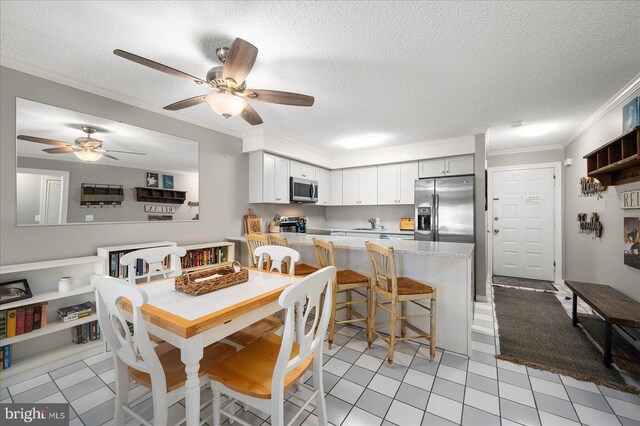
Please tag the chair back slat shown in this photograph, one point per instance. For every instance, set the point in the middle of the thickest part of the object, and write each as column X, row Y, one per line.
column 134, row 349
column 277, row 240
column 324, row 252
column 153, row 257
column 304, row 296
column 278, row 256
column 253, row 242
column 383, row 267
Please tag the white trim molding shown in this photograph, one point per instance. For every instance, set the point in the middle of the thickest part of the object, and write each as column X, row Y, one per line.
column 105, row 93
column 525, row 150
column 479, row 130
column 616, row 100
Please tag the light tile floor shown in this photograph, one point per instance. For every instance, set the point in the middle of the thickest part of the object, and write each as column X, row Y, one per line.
column 363, row 391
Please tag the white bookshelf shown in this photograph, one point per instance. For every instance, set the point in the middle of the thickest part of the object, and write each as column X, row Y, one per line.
column 105, row 252
column 227, row 248
column 34, row 352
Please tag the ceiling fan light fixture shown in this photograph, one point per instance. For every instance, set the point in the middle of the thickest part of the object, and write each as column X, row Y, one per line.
column 226, row 104
column 88, row 156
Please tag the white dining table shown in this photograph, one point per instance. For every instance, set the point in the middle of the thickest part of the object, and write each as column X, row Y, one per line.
column 191, row 323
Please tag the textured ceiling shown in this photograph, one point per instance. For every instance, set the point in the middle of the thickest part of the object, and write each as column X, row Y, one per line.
column 162, row 152
column 410, row 71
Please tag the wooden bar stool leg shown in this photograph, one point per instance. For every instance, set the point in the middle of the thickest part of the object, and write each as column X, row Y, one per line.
column 432, row 330
column 348, row 304
column 403, row 322
column 372, row 317
column 368, row 293
column 332, row 320
column 392, row 330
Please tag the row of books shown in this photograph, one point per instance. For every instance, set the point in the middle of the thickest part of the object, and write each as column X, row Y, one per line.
column 25, row 319
column 203, row 257
column 86, row 332
column 74, row 312
column 116, row 269
column 5, row 357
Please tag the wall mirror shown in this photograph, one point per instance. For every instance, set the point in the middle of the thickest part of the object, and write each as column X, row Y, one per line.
column 77, row 168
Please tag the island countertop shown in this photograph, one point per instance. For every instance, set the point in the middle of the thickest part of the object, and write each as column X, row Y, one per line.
column 426, row 248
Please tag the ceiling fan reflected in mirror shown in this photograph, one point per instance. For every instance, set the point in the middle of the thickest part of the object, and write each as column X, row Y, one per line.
column 85, row 148
column 227, row 81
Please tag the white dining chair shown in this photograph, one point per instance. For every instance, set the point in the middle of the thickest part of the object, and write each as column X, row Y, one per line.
column 154, row 257
column 278, row 255
column 261, row 373
column 157, row 368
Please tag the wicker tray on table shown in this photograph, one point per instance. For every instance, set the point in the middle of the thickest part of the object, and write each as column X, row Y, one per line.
column 195, row 283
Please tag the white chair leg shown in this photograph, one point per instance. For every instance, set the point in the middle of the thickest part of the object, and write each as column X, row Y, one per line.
column 160, row 406
column 321, row 407
column 122, row 391
column 217, row 402
column 277, row 410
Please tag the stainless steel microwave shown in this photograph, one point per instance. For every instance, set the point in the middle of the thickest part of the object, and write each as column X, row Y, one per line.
column 304, row 190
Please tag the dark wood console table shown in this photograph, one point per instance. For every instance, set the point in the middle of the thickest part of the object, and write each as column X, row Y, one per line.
column 613, row 306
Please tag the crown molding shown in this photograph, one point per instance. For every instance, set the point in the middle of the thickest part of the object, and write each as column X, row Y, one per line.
column 105, row 93
column 616, row 100
column 479, row 130
column 525, row 150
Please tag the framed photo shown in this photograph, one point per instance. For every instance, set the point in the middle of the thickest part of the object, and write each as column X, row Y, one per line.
column 153, row 180
column 632, row 241
column 167, row 181
column 14, row 290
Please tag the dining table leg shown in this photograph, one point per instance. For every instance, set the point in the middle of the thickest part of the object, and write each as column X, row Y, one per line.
column 191, row 352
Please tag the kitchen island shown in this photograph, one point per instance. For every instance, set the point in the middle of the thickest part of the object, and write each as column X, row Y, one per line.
column 446, row 266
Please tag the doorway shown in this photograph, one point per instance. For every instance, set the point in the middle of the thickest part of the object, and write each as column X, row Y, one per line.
column 525, row 222
column 43, row 197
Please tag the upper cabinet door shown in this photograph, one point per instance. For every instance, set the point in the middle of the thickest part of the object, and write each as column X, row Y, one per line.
column 350, row 187
column 369, row 185
column 281, row 180
column 408, row 174
column 432, row 168
column 323, row 177
column 269, row 179
column 461, row 165
column 302, row 170
column 336, row 188
column 295, row 169
column 389, row 184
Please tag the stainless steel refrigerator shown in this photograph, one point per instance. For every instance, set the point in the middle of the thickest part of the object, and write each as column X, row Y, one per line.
column 445, row 209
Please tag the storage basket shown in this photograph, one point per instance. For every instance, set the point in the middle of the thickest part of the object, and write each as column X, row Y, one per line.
column 186, row 283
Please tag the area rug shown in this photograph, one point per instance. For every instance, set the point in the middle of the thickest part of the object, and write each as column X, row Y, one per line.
column 523, row 283
column 535, row 330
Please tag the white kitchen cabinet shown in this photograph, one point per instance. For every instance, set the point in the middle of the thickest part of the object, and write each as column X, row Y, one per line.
column 336, row 188
column 302, row 170
column 449, row 166
column 323, row 176
column 360, row 186
column 396, row 183
column 268, row 178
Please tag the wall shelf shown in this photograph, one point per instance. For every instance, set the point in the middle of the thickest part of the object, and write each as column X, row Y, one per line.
column 51, row 327
column 158, row 195
column 617, row 162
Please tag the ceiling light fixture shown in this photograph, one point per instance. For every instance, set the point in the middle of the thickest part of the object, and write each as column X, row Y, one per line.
column 536, row 129
column 362, row 141
column 226, row 104
column 88, row 156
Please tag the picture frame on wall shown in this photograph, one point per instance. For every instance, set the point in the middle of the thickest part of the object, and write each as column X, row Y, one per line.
column 153, row 180
column 167, row 181
column 11, row 291
column 632, row 242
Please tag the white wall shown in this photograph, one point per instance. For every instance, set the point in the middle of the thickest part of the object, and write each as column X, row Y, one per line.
column 224, row 179
column 518, row 159
column 597, row 260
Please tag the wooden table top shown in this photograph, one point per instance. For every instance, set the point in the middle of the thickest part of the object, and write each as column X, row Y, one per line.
column 187, row 315
column 614, row 306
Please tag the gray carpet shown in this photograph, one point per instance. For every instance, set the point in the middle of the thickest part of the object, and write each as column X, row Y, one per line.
column 523, row 283
column 535, row 330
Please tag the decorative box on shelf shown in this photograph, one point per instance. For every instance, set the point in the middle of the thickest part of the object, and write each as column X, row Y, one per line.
column 96, row 194
column 617, row 162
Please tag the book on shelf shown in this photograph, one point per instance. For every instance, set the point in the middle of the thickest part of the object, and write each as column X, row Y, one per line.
column 25, row 319
column 5, row 353
column 85, row 333
column 118, row 270
column 71, row 313
column 203, row 257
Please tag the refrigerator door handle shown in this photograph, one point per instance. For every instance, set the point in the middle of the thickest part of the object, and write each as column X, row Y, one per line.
column 433, row 217
column 437, row 217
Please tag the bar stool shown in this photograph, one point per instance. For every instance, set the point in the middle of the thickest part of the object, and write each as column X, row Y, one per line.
column 347, row 281
column 302, row 269
column 398, row 291
column 253, row 242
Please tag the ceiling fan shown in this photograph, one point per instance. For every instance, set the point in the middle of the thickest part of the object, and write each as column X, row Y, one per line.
column 85, row 148
column 229, row 96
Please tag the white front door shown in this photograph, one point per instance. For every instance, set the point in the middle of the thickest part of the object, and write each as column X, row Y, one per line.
column 523, row 223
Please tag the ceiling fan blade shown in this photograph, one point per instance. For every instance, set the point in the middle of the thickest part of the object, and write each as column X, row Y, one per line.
column 158, row 66
column 108, row 156
column 186, row 103
column 115, row 150
column 42, row 140
column 240, row 59
column 278, row 97
column 250, row 115
column 64, row 150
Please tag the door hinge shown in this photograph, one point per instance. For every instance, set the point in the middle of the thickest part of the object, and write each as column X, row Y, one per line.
column 554, row 266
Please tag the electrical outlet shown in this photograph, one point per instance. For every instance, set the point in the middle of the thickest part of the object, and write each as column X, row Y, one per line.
column 88, row 218
column 37, row 219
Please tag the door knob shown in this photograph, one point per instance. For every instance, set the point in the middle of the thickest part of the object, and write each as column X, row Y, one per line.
column 495, row 231
column 495, row 218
